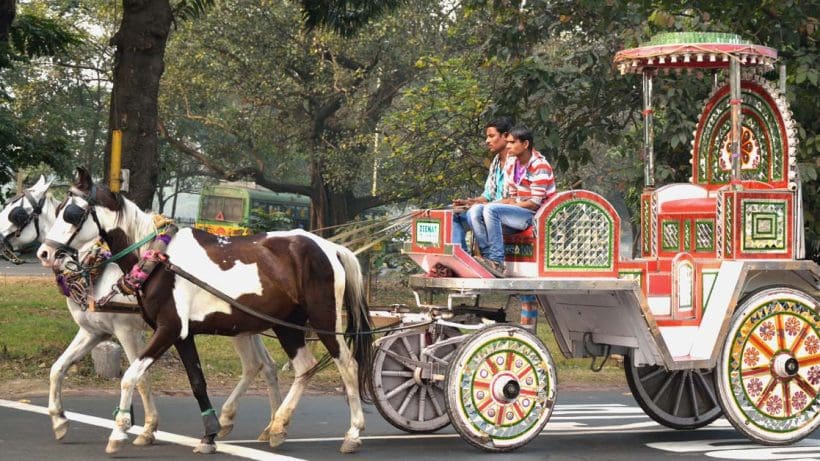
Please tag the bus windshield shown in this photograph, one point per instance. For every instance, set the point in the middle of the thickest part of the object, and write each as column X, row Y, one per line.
column 222, row 208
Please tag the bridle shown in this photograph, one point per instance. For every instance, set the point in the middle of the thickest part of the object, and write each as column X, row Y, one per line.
column 21, row 218
column 77, row 216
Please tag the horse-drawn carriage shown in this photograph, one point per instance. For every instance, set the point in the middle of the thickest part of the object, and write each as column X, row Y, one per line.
column 718, row 315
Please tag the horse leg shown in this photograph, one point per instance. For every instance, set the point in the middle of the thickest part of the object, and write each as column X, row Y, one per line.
column 190, row 358
column 349, row 370
column 269, row 372
column 244, row 347
column 303, row 361
column 80, row 346
column 132, row 342
column 163, row 338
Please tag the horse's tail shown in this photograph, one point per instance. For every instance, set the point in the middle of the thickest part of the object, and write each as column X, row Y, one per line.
column 358, row 333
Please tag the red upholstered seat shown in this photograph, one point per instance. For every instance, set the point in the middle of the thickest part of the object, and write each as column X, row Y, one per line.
column 689, row 205
column 525, row 236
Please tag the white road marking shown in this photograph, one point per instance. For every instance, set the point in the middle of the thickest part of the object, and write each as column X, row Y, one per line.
column 221, row 447
column 742, row 449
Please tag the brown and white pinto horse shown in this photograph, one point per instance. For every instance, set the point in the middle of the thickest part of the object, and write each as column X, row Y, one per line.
column 26, row 219
column 293, row 276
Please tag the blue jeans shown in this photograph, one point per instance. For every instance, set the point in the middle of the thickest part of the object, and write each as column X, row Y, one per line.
column 462, row 222
column 460, row 226
column 496, row 220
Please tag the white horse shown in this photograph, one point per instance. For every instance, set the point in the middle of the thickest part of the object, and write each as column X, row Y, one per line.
column 28, row 218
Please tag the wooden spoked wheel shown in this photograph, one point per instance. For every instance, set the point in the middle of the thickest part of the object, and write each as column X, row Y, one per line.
column 501, row 388
column 680, row 399
column 404, row 397
column 768, row 374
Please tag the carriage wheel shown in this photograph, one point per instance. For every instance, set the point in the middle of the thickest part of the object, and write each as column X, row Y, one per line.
column 501, row 388
column 405, row 399
column 768, row 373
column 681, row 399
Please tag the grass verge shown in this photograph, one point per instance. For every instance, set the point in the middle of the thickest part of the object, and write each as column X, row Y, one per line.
column 35, row 328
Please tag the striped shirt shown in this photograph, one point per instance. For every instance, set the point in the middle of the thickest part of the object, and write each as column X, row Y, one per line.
column 535, row 184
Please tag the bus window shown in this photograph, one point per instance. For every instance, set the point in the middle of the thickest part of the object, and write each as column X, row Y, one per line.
column 222, row 208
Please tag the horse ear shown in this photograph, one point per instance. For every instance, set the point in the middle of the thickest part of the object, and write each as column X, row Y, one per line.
column 83, row 180
column 41, row 186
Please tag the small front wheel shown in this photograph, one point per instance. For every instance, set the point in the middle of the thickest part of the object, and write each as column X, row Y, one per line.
column 768, row 372
column 403, row 397
column 501, row 388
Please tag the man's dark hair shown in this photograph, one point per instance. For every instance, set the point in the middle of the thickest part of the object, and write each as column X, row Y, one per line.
column 522, row 133
column 502, row 124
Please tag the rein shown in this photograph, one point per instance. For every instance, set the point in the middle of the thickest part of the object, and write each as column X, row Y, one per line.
column 252, row 312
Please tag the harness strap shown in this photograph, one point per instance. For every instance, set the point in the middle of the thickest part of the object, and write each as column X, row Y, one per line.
column 36, row 211
column 130, row 283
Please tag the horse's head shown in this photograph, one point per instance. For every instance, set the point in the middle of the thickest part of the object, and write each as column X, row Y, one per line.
column 20, row 220
column 83, row 217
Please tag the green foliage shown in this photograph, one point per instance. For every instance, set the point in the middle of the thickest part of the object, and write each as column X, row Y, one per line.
column 35, row 37
column 32, row 35
column 433, row 144
column 346, row 17
column 296, row 111
column 266, row 221
column 184, row 10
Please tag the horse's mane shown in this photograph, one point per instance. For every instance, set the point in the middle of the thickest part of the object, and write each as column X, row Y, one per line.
column 136, row 222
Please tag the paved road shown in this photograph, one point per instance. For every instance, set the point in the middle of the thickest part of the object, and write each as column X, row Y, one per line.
column 584, row 426
column 31, row 267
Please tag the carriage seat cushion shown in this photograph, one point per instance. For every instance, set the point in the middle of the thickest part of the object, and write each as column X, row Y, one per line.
column 690, row 205
column 525, row 236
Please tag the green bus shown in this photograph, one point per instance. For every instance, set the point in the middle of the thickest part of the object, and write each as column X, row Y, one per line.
column 225, row 209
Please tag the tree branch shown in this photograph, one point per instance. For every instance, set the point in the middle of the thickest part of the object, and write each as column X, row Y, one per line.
column 184, row 148
column 221, row 172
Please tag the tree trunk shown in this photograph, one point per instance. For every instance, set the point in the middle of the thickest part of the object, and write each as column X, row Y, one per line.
column 138, row 66
column 328, row 208
column 8, row 9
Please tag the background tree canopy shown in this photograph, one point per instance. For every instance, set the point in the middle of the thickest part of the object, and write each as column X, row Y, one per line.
column 384, row 102
column 28, row 39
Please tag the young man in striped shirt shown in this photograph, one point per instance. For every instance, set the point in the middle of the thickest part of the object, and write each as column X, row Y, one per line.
column 530, row 181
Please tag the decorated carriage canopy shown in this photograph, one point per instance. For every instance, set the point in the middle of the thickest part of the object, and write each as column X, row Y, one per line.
column 676, row 50
column 768, row 134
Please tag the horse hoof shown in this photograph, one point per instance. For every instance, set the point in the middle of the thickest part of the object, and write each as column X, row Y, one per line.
column 226, row 429
column 350, row 446
column 114, row 446
column 276, row 440
column 146, row 438
column 264, row 435
column 61, row 429
column 205, row 448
